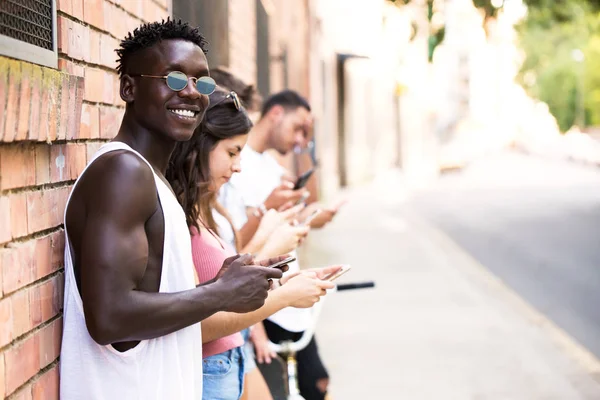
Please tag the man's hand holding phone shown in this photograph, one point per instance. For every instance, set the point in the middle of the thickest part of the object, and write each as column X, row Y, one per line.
column 283, row 197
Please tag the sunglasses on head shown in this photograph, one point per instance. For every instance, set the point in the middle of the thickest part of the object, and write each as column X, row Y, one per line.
column 177, row 81
column 236, row 100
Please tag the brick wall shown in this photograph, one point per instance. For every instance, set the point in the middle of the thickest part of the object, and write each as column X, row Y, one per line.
column 51, row 122
column 242, row 39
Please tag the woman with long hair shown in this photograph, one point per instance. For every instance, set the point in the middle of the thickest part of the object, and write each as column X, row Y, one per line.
column 197, row 170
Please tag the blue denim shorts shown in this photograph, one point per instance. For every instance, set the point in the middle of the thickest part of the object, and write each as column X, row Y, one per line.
column 223, row 375
column 248, row 351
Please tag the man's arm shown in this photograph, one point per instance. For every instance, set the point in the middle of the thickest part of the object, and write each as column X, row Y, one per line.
column 302, row 290
column 114, row 255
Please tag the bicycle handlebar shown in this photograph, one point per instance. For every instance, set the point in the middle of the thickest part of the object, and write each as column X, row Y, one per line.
column 286, row 347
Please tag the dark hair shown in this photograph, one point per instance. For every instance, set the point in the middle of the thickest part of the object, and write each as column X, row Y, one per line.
column 147, row 35
column 248, row 95
column 188, row 171
column 288, row 99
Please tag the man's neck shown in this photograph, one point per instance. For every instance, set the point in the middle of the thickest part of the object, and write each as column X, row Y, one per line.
column 152, row 146
column 258, row 139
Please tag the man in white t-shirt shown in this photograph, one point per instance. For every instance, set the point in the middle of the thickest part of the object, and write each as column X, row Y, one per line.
column 282, row 127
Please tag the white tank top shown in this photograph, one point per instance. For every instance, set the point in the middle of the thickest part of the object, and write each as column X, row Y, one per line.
column 168, row 367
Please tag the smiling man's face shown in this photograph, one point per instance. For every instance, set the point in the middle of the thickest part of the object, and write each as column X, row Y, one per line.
column 161, row 110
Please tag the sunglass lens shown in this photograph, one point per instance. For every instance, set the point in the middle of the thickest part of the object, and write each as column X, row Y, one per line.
column 206, row 85
column 177, row 80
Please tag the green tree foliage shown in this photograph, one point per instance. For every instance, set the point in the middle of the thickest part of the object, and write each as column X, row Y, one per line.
column 549, row 35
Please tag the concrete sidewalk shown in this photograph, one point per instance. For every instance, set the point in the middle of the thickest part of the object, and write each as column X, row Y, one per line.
column 437, row 325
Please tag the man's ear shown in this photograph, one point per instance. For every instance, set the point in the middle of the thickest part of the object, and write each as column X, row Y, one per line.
column 127, row 88
column 276, row 112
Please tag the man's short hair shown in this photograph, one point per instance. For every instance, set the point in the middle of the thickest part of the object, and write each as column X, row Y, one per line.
column 248, row 95
column 288, row 99
column 147, row 35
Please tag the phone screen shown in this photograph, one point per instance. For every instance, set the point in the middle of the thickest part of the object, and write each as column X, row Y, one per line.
column 332, row 277
column 282, row 262
column 303, row 179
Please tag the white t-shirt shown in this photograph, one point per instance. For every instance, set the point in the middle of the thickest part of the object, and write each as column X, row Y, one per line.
column 261, row 173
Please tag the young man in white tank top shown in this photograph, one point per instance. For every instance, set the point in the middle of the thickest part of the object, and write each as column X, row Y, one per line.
column 132, row 308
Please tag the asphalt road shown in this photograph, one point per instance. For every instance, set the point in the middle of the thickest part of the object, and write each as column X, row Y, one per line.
column 534, row 223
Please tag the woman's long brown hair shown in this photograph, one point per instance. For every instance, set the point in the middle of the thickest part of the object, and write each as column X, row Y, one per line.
column 188, row 171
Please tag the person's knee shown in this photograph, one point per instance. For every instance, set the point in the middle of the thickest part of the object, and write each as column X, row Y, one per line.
column 322, row 384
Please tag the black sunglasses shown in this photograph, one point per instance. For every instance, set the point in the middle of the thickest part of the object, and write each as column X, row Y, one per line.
column 177, row 81
column 236, row 100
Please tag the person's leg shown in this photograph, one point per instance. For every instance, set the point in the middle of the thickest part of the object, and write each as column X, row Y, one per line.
column 223, row 375
column 313, row 379
column 255, row 387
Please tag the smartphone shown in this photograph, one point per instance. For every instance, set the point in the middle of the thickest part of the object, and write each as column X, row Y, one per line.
column 303, row 179
column 282, row 262
column 311, row 217
column 302, row 199
column 334, row 276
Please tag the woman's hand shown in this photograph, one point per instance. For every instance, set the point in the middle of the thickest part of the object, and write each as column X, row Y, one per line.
column 305, row 289
column 259, row 339
column 284, row 239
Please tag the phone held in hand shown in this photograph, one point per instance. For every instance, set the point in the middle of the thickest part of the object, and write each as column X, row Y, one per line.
column 311, row 217
column 303, row 179
column 345, row 268
column 282, row 263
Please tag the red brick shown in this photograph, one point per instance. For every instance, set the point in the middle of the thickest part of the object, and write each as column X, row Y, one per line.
column 43, row 257
column 42, row 164
column 38, row 215
column 17, row 166
column 76, row 159
column 93, row 12
column 70, row 67
column 132, row 6
column 64, row 111
column 5, row 220
column 49, row 342
column 57, row 242
column 71, row 111
column 94, row 80
column 58, row 163
column 65, row 6
column 24, row 393
column 75, row 122
column 110, row 120
column 18, row 215
column 108, row 87
column 45, row 300
column 12, row 103
column 36, row 102
column 45, row 111
column 6, row 324
column 163, row 4
column 108, row 56
column 24, row 101
column 92, row 148
column 3, row 92
column 19, row 302
column 24, row 361
column 46, row 387
column 64, row 27
column 18, row 266
column 51, row 104
column 77, row 9
column 95, row 47
column 2, row 369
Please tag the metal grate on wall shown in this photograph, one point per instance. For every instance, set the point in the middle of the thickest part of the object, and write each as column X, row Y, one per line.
column 29, row 21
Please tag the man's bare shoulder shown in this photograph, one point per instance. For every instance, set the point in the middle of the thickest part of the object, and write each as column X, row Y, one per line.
column 119, row 181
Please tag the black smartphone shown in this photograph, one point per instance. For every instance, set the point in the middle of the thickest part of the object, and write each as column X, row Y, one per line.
column 303, row 179
column 282, row 262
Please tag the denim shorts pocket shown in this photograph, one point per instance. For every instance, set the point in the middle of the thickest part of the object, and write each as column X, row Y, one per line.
column 218, row 364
